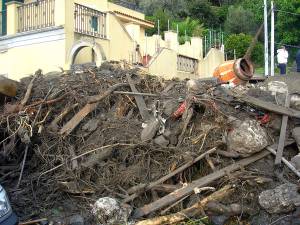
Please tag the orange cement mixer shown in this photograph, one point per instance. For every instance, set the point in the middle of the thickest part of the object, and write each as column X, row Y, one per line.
column 235, row 72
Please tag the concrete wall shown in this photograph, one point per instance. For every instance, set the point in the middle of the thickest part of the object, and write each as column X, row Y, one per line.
column 207, row 66
column 164, row 64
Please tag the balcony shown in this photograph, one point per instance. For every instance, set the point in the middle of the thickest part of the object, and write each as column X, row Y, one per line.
column 42, row 14
column 89, row 21
column 36, row 15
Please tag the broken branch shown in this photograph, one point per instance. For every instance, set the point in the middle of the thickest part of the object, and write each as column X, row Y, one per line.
column 167, row 177
column 175, row 196
column 191, row 211
column 28, row 92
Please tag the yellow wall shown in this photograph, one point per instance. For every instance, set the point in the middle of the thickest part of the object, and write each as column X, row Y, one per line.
column 213, row 59
column 120, row 43
column 21, row 61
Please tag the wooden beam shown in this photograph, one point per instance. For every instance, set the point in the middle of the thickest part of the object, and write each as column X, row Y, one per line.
column 282, row 136
column 269, row 106
column 139, row 100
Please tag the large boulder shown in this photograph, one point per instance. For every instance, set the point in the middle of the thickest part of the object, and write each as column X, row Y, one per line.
column 247, row 137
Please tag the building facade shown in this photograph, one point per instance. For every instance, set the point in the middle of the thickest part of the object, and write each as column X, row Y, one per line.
column 54, row 34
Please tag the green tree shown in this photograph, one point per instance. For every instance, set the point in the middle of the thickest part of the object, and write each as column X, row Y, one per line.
column 163, row 18
column 287, row 25
column 188, row 28
column 240, row 20
column 173, row 7
column 240, row 43
column 202, row 10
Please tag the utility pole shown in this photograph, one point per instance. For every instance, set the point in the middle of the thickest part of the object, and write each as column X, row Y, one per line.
column 272, row 39
column 266, row 38
column 158, row 27
column 168, row 25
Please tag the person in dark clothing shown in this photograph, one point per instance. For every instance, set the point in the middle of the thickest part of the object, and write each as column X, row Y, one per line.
column 298, row 61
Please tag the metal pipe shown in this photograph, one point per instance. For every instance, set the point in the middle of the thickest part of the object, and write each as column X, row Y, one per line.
column 266, row 38
column 272, row 39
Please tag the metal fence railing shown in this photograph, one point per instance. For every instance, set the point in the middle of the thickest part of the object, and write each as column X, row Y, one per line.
column 186, row 64
column 36, row 15
column 3, row 23
column 89, row 21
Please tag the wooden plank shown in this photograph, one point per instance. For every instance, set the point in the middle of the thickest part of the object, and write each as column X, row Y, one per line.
column 178, row 194
column 87, row 109
column 266, row 105
column 282, row 132
column 139, row 100
column 70, row 125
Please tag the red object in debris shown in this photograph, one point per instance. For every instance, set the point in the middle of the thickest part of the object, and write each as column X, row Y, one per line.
column 146, row 60
column 179, row 112
column 265, row 119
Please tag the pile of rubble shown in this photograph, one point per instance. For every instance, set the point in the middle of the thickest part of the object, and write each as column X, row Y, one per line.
column 114, row 145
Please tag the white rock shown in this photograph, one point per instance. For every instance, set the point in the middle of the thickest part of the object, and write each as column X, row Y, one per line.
column 247, row 137
column 109, row 211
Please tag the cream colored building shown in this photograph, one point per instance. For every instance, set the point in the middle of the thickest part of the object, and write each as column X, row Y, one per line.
column 53, row 34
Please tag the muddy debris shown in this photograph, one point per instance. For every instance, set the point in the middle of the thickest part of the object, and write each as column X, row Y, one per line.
column 114, row 144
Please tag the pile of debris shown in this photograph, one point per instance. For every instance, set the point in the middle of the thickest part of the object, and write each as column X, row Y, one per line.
column 114, row 145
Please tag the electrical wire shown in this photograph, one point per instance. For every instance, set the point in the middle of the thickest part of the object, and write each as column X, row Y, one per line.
column 295, row 14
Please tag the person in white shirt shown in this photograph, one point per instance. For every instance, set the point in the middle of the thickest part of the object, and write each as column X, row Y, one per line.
column 282, row 59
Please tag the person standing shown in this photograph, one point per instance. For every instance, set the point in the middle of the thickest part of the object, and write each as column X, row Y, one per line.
column 282, row 59
column 298, row 61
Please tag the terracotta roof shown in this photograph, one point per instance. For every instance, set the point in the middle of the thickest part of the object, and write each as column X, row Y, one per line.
column 135, row 18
